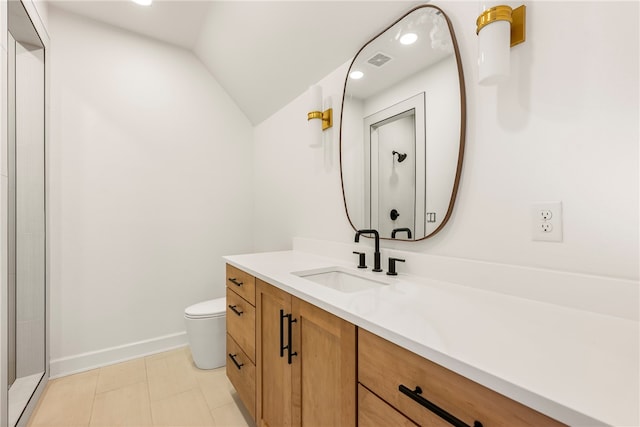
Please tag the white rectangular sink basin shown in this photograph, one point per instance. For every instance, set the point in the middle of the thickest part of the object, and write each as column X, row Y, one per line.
column 340, row 279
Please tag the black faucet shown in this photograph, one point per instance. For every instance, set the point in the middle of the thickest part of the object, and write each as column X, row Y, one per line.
column 399, row 230
column 376, row 254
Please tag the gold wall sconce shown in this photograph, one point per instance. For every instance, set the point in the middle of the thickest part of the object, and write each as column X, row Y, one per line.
column 318, row 120
column 498, row 28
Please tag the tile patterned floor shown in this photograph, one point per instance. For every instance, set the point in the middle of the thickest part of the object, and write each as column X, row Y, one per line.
column 164, row 389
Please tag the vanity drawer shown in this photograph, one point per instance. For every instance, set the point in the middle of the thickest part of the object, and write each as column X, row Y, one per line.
column 383, row 367
column 244, row 284
column 375, row 412
column 241, row 323
column 242, row 373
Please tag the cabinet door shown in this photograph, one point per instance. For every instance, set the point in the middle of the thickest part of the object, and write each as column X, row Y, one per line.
column 324, row 371
column 274, row 373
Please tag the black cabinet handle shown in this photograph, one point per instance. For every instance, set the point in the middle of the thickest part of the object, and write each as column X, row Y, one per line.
column 235, row 362
column 282, row 346
column 235, row 310
column 288, row 346
column 289, row 353
column 235, row 281
column 416, row 395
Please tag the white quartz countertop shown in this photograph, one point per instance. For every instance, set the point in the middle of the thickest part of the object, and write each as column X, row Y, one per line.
column 576, row 366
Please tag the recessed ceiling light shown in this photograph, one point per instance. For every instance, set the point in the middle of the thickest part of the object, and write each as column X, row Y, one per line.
column 409, row 38
column 143, row 2
column 355, row 75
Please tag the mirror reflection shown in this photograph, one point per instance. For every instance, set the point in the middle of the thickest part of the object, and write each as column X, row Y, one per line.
column 402, row 128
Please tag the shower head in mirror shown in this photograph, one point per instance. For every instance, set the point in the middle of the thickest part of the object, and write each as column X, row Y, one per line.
column 401, row 156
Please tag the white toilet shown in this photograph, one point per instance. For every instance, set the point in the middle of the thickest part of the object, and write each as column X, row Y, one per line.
column 206, row 330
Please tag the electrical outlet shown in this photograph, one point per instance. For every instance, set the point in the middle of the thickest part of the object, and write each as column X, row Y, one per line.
column 546, row 221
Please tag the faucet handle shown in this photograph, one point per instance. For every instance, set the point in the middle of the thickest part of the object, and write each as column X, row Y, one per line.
column 392, row 266
column 361, row 263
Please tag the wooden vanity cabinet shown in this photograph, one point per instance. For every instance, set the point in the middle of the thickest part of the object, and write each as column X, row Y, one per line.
column 241, row 333
column 383, row 368
column 306, row 363
column 294, row 364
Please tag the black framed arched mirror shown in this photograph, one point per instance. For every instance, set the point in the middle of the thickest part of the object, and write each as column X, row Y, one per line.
column 402, row 128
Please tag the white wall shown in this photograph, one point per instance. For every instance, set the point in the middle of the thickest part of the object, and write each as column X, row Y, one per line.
column 297, row 188
column 565, row 127
column 150, row 185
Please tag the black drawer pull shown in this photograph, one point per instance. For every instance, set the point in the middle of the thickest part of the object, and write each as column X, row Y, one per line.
column 235, row 362
column 235, row 310
column 416, row 395
column 235, row 281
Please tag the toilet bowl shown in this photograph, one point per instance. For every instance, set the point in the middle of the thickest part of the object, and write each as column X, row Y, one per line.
column 206, row 331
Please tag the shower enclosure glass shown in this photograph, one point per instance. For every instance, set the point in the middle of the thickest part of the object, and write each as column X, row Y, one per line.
column 27, row 312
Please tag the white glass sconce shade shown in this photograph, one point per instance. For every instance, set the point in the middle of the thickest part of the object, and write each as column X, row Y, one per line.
column 315, row 126
column 494, row 53
column 499, row 28
column 318, row 120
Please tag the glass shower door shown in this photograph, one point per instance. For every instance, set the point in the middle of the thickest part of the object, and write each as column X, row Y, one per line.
column 26, row 213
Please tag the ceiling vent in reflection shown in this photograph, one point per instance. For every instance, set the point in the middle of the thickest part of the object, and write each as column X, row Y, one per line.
column 379, row 59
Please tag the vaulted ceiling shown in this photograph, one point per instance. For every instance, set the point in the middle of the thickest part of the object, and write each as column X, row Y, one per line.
column 264, row 53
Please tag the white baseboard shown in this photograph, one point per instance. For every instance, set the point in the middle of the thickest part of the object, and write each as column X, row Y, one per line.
column 108, row 356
